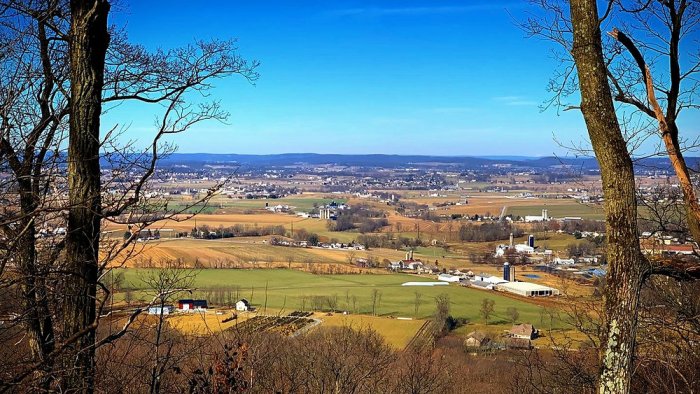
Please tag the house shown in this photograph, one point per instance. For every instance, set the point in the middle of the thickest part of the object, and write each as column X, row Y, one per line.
column 242, row 305
column 476, row 339
column 158, row 310
column 524, row 331
column 192, row 305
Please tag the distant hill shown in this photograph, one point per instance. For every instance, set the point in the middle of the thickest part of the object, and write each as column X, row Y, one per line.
column 380, row 160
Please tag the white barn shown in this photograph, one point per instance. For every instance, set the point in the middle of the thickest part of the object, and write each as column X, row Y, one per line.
column 527, row 289
column 242, row 305
column 448, row 278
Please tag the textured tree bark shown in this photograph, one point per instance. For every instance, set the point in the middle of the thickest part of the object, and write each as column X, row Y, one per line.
column 89, row 39
column 626, row 264
column 36, row 314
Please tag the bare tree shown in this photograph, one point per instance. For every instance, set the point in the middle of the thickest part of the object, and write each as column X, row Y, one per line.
column 88, row 42
column 513, row 314
column 375, row 299
column 59, row 68
column 602, row 74
column 487, row 307
column 417, row 301
column 164, row 285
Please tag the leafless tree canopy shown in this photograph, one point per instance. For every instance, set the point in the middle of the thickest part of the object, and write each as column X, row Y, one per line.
column 55, row 198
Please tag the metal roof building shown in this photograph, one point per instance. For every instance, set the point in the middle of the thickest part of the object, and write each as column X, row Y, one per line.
column 527, row 289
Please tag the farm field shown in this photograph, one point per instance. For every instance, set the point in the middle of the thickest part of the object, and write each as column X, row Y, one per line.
column 205, row 323
column 289, row 290
column 490, row 203
column 246, row 252
column 559, row 210
column 397, row 333
column 221, row 204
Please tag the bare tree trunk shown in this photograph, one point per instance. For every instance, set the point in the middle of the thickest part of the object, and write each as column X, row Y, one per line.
column 36, row 314
column 89, row 39
column 626, row 263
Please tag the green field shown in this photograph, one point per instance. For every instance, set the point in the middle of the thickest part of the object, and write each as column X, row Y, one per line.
column 285, row 288
column 298, row 204
column 220, row 204
column 560, row 210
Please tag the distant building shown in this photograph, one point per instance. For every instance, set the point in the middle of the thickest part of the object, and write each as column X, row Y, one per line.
column 560, row 261
column 508, row 272
column 523, row 331
column 527, row 289
column 242, row 305
column 476, row 339
column 192, row 305
column 537, row 218
column 158, row 310
column 448, row 278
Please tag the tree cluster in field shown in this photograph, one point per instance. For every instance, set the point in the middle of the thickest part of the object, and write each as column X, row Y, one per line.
column 556, row 177
column 206, row 232
column 573, row 226
column 443, row 322
column 361, row 217
column 487, row 232
column 302, row 235
column 584, row 248
column 347, row 359
column 410, row 208
column 387, row 241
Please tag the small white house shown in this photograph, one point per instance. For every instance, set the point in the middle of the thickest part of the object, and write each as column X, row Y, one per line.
column 242, row 305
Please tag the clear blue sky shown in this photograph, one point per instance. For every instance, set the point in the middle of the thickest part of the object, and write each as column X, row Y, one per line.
column 397, row 77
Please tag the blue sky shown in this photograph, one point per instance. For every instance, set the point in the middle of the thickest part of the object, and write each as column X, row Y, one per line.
column 396, row 77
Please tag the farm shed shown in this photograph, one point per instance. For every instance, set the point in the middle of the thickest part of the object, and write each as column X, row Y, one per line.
column 158, row 310
column 448, row 278
column 191, row 305
column 527, row 289
column 242, row 305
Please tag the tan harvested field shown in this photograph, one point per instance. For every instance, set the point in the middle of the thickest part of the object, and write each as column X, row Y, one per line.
column 250, row 253
column 205, row 323
column 490, row 203
column 397, row 333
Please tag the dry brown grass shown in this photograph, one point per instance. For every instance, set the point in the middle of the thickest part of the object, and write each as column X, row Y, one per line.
column 397, row 333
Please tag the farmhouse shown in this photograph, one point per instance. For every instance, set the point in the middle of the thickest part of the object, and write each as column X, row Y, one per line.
column 192, row 305
column 526, row 289
column 158, row 310
column 523, row 331
column 242, row 305
column 476, row 339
